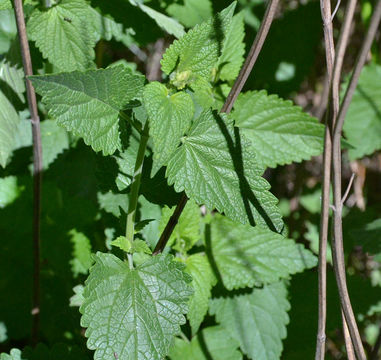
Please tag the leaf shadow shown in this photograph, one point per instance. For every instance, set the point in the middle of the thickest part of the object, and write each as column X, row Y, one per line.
column 247, row 195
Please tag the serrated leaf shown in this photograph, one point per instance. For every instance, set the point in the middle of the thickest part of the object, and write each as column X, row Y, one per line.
column 54, row 140
column 65, row 34
column 107, row 28
column 134, row 313
column 198, row 50
column 170, row 116
column 187, row 231
column 137, row 246
column 13, row 76
column 15, row 354
column 203, row 280
column 215, row 167
column 82, row 260
column 171, row 26
column 122, row 243
column 77, row 299
column 280, row 132
column 233, row 51
column 9, row 121
column 362, row 125
column 9, row 191
column 192, row 12
column 88, row 103
column 248, row 256
column 257, row 320
column 212, row 343
column 113, row 203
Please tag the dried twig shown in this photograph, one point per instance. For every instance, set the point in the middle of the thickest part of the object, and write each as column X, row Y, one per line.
column 37, row 163
column 338, row 251
column 226, row 108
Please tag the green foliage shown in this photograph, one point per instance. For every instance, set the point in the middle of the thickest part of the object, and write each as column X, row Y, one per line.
column 231, row 265
column 144, row 305
column 9, row 191
column 216, row 167
column 203, row 280
column 231, row 59
column 169, row 116
column 197, row 52
column 280, row 132
column 65, row 34
column 168, row 24
column 362, row 125
column 248, row 256
column 192, row 12
column 187, row 231
column 137, row 246
column 9, row 121
column 88, row 103
column 82, row 260
column 257, row 320
column 211, row 343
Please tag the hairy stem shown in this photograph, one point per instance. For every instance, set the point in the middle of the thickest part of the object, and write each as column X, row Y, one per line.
column 227, row 107
column 37, row 163
column 135, row 186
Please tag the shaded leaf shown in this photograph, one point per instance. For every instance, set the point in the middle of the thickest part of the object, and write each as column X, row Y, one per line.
column 248, row 256
column 362, row 125
column 198, row 267
column 257, row 320
column 212, row 343
column 192, row 12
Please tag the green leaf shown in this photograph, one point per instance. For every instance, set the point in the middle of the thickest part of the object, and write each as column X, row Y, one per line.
column 88, row 103
column 113, row 203
column 198, row 267
column 131, row 312
column 5, row 4
column 8, row 29
column 233, row 51
column 9, row 191
column 65, row 34
column 280, row 132
column 212, row 343
column 82, row 260
column 362, row 125
column 192, row 12
column 187, row 231
column 170, row 116
column 9, row 121
column 171, row 26
column 257, row 320
column 77, row 299
column 216, row 167
column 122, row 243
column 248, row 256
column 137, row 246
column 54, row 141
column 197, row 52
column 108, row 28
column 15, row 354
column 13, row 76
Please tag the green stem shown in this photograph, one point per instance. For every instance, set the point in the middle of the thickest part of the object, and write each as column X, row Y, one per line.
column 135, row 124
column 130, row 226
